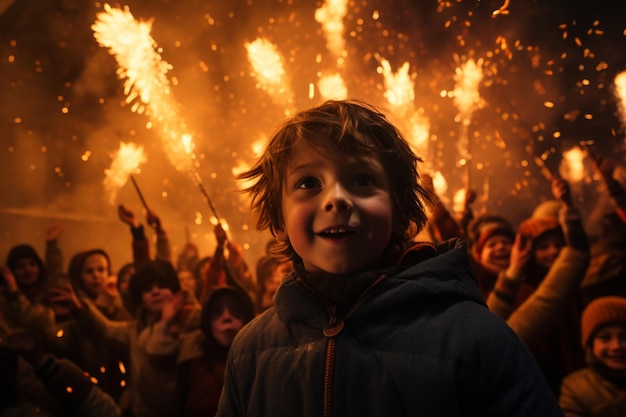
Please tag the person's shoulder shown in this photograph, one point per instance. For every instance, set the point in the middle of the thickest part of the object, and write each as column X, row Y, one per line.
column 262, row 326
column 580, row 376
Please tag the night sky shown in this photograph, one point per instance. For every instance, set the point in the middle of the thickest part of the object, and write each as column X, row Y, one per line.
column 548, row 85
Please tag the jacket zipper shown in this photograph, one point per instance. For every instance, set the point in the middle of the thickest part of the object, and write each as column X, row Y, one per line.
column 334, row 327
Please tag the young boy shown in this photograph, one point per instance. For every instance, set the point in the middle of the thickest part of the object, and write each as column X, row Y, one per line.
column 599, row 389
column 369, row 323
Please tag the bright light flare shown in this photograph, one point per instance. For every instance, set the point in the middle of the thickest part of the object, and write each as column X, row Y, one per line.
column 400, row 93
column 332, row 87
column 330, row 15
column 465, row 94
column 268, row 68
column 620, row 92
column 145, row 76
column 126, row 160
column 572, row 166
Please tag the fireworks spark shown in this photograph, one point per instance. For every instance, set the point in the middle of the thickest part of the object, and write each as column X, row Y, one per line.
column 144, row 72
column 620, row 92
column 400, row 94
column 332, row 87
column 330, row 15
column 126, row 160
column 268, row 68
column 572, row 167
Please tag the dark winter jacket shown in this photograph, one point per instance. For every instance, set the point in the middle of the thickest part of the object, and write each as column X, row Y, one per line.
column 419, row 341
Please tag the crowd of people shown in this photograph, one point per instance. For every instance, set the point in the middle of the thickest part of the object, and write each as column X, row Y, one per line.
column 449, row 314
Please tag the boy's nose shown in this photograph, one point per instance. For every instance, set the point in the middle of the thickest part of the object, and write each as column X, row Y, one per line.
column 337, row 199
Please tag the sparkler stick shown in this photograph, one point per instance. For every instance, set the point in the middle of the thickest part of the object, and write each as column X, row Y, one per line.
column 198, row 181
column 143, row 200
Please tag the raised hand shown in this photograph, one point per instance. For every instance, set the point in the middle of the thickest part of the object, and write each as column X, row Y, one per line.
column 53, row 231
column 64, row 300
column 561, row 190
column 520, row 255
column 220, row 234
column 126, row 216
column 153, row 220
column 9, row 279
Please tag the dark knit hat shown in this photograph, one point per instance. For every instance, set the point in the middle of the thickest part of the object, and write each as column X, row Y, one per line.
column 157, row 272
column 600, row 312
column 482, row 228
column 20, row 252
column 238, row 301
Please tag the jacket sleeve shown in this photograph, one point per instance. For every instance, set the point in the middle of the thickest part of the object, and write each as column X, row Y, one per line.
column 618, row 196
column 94, row 324
column 163, row 246
column 54, row 258
column 216, row 273
column 36, row 317
column 160, row 341
column 537, row 316
column 568, row 400
column 141, row 246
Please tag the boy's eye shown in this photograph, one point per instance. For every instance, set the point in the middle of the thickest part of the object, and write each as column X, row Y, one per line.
column 363, row 180
column 306, row 183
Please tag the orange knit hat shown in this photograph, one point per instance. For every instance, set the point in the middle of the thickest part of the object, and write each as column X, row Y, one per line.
column 600, row 312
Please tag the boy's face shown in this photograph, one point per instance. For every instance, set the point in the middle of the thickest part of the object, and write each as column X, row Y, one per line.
column 496, row 253
column 225, row 324
column 94, row 273
column 153, row 297
column 547, row 248
column 338, row 214
column 27, row 271
column 609, row 346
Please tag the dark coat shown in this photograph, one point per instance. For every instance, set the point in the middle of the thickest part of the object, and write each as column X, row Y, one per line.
column 419, row 342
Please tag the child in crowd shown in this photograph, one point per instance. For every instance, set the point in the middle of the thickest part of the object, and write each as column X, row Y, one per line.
column 369, row 323
column 600, row 388
column 201, row 354
column 152, row 386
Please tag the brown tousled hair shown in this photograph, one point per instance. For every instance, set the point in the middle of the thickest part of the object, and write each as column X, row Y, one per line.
column 334, row 129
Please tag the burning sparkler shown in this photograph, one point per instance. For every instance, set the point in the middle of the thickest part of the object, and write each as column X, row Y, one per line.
column 572, row 167
column 269, row 71
column 467, row 100
column 144, row 73
column 331, row 16
column 620, row 92
column 400, row 94
column 126, row 160
column 146, row 84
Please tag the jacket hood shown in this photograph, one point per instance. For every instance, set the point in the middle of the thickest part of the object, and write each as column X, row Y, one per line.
column 428, row 276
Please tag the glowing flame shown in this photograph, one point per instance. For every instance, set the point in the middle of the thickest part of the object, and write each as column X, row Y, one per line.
column 330, row 16
column 439, row 183
column 620, row 92
column 572, row 167
column 459, row 200
column 466, row 96
column 125, row 161
column 332, row 87
column 400, row 93
column 269, row 71
column 144, row 72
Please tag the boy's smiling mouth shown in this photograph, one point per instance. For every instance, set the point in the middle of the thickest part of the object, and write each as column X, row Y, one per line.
column 336, row 232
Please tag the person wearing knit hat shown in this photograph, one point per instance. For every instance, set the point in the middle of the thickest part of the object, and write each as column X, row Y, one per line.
column 490, row 238
column 540, row 299
column 599, row 389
